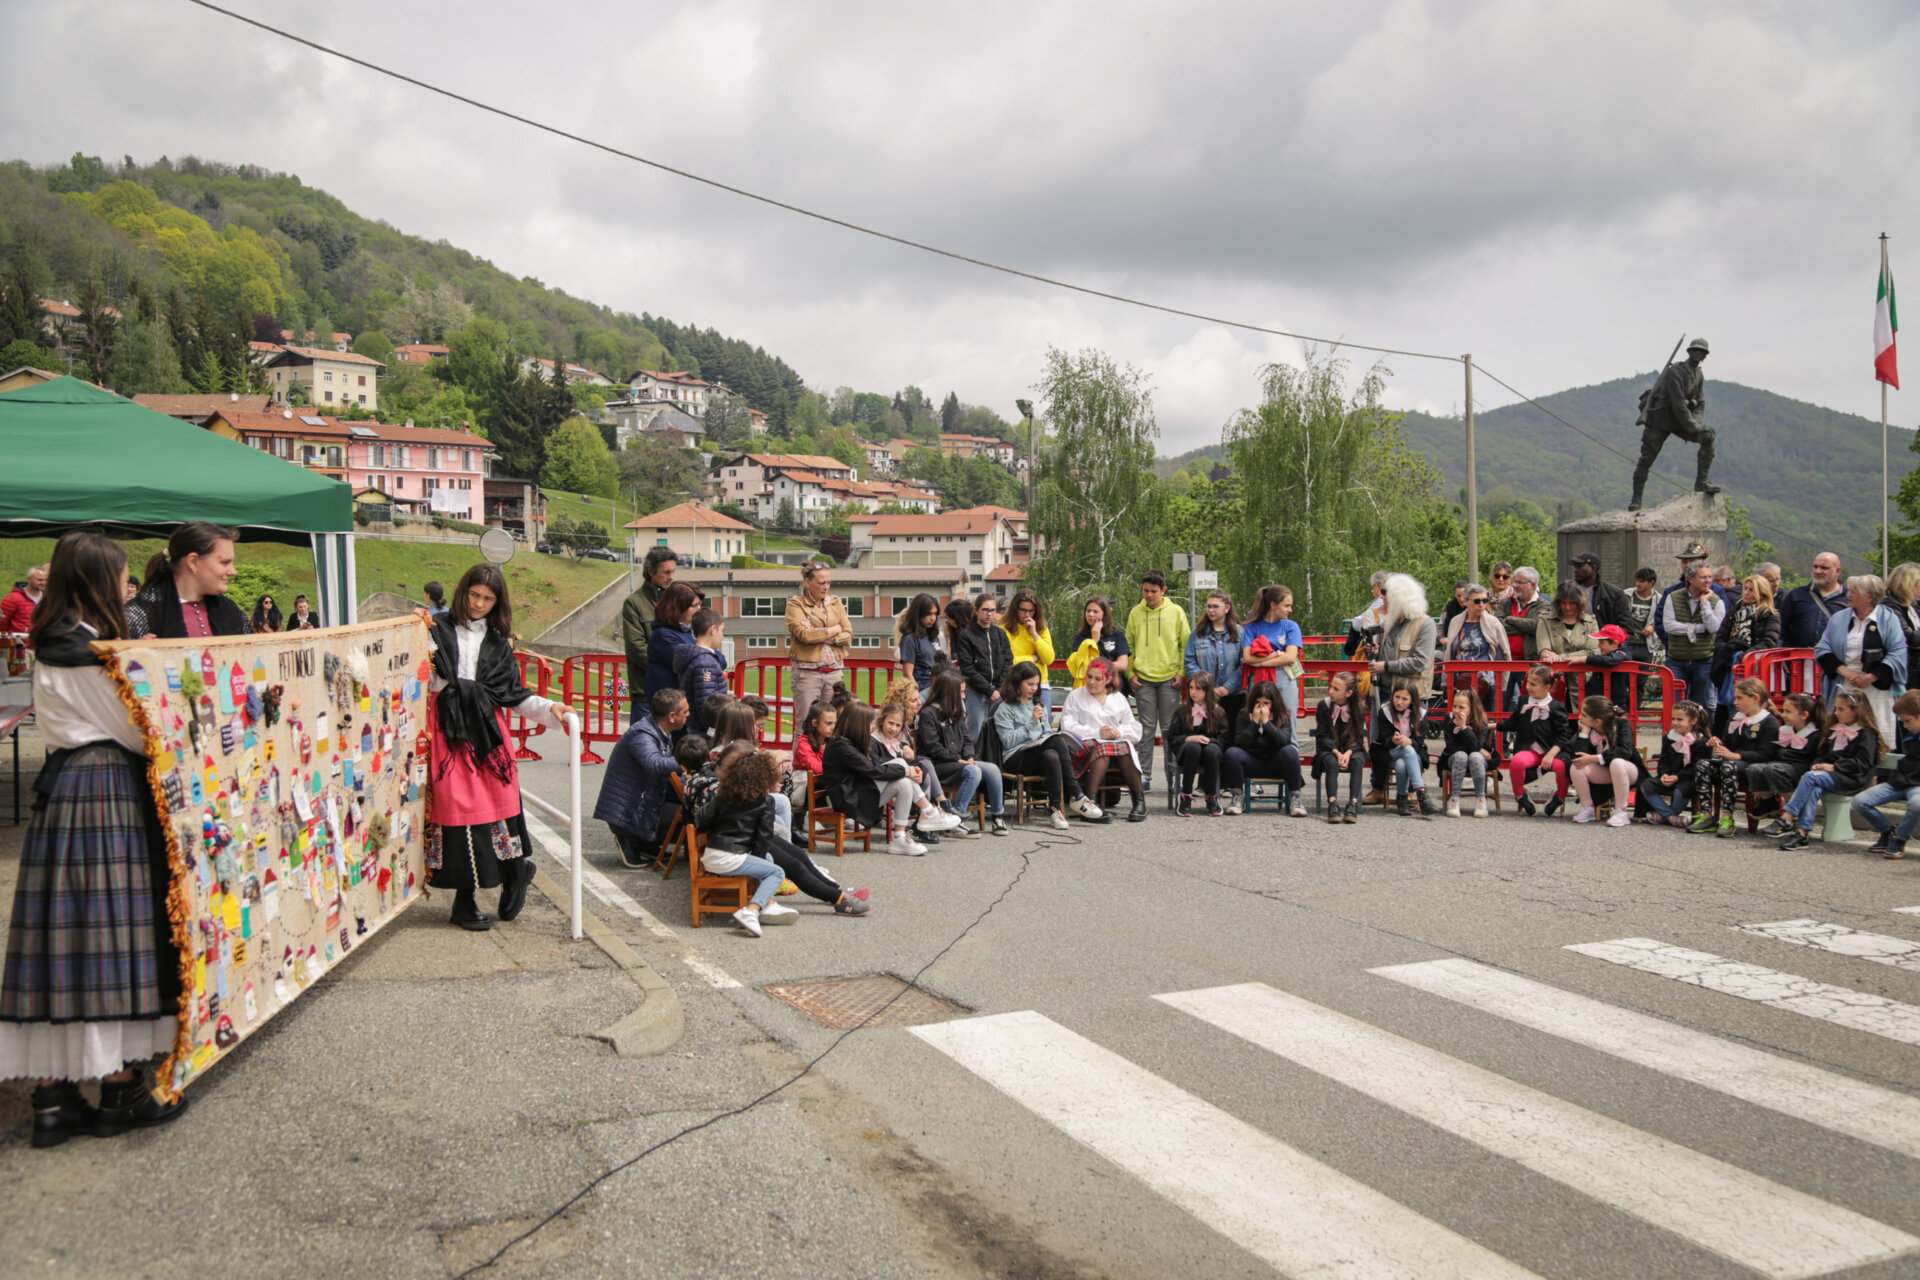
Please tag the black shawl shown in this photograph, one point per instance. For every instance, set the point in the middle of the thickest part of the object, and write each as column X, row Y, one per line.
column 466, row 707
column 157, row 609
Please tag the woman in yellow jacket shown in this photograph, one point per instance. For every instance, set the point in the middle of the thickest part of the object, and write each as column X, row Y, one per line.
column 1027, row 632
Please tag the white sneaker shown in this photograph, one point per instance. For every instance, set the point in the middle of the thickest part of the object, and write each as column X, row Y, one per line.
column 1453, row 806
column 1058, row 820
column 1085, row 807
column 1480, row 808
column 1620, row 818
column 774, row 913
column 1233, row 806
column 906, row 848
column 749, row 920
column 1299, row 807
column 1585, row 815
column 938, row 820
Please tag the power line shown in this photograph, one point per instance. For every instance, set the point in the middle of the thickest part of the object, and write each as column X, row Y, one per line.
column 794, row 208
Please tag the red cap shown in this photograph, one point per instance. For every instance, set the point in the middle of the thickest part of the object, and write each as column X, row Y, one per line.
column 1611, row 632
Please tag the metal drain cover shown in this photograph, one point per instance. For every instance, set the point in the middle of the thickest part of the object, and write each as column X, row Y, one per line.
column 841, row 1003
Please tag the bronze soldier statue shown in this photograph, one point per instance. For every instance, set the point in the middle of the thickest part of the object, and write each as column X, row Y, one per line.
column 1676, row 407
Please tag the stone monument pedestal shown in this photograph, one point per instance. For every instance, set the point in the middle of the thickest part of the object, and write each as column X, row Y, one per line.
column 1650, row 538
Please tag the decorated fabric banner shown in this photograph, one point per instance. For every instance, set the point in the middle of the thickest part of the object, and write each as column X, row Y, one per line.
column 290, row 774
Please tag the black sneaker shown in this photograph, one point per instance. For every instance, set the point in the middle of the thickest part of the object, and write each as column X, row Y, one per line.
column 1795, row 839
column 1553, row 805
column 1185, row 808
column 1880, row 842
column 1702, row 823
column 1525, row 802
column 1352, row 813
column 60, row 1111
column 998, row 824
column 1213, row 805
column 1775, row 828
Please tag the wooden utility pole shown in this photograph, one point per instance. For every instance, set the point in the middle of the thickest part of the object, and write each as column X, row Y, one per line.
column 1473, row 484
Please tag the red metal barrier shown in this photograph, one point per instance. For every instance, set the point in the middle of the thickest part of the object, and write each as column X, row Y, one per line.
column 595, row 685
column 1497, row 676
column 1783, row 671
column 541, row 682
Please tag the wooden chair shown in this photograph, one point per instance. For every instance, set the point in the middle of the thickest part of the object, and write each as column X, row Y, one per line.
column 1014, row 786
column 712, row 894
column 826, row 822
column 671, row 845
column 1494, row 774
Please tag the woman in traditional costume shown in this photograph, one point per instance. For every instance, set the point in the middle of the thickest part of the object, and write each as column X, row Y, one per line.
column 476, row 835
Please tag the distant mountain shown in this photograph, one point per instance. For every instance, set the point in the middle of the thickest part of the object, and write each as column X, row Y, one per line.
column 1804, row 470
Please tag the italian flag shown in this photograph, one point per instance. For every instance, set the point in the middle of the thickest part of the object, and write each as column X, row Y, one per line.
column 1886, row 323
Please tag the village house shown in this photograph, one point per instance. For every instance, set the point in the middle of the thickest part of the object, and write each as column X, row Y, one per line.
column 974, row 541
column 419, row 355
column 199, row 409
column 692, row 530
column 422, row 469
column 517, row 506
column 331, row 379
column 754, row 603
column 543, row 369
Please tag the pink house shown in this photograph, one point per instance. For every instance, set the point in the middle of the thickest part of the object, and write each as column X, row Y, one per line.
column 423, row 469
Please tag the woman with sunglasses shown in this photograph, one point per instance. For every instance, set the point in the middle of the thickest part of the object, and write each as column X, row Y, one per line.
column 1501, row 576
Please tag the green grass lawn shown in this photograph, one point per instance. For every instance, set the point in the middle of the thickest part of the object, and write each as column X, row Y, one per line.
column 544, row 588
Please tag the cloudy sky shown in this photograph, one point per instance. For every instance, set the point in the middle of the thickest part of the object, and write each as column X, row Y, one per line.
column 1561, row 189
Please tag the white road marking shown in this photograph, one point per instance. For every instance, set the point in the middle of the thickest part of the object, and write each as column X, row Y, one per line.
column 1842, row 941
column 1754, row 1221
column 1908, row 911
column 1859, row 1010
column 1282, row 1206
column 596, row 882
column 1826, row 1098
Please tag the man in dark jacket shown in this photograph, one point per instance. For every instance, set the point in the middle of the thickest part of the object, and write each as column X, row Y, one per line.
column 636, row 796
column 1804, row 610
column 984, row 655
column 636, row 618
column 1608, row 602
column 1676, row 407
column 700, row 669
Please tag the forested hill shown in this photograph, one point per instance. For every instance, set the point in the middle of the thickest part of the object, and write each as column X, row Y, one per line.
column 267, row 245
column 1798, row 467
column 1810, row 471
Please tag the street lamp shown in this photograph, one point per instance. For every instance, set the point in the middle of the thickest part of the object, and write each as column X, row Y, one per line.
column 1026, row 411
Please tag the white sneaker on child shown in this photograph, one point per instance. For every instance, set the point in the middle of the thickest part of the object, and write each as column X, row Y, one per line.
column 1585, row 815
column 1453, row 806
column 906, row 848
column 938, row 820
column 1480, row 808
column 774, row 913
column 1620, row 818
column 1085, row 807
column 749, row 921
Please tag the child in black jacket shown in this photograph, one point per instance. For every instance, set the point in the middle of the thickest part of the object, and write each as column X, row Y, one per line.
column 1540, row 732
column 1667, row 789
column 1340, row 745
column 1263, row 748
column 1468, row 747
column 738, row 823
column 1845, row 765
column 1604, row 751
column 1803, row 729
column 1903, row 785
column 1397, row 734
column 1752, row 737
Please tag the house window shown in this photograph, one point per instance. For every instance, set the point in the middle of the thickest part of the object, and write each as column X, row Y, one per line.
column 856, row 606
column 975, row 556
column 399, row 483
column 282, row 447
column 466, row 459
column 363, row 379
column 377, row 455
column 329, row 377
column 761, row 607
column 764, row 642
column 433, row 459
column 659, row 542
column 900, row 604
column 869, row 642
column 716, row 548
column 329, row 397
column 363, row 399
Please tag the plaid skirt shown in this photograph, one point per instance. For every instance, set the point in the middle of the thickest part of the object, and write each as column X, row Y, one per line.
column 89, row 939
column 1085, row 753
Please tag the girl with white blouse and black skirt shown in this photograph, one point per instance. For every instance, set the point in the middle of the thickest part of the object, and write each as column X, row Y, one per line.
column 476, row 834
column 92, row 978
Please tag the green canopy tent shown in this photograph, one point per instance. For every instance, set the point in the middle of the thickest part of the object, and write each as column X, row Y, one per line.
column 74, row 456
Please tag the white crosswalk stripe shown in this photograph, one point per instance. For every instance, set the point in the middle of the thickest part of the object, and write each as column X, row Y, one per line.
column 1290, row 1210
column 1901, row 953
column 1859, row 1010
column 1826, row 1098
column 1758, row 1223
column 1908, row 911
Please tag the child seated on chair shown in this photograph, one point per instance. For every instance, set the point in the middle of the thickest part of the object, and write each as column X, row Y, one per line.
column 1467, row 749
column 1752, row 737
column 1194, row 735
column 891, row 741
column 1844, row 765
column 1667, row 788
column 1904, row 785
column 741, row 840
column 1540, row 731
column 1397, row 735
column 1803, row 727
column 1340, row 744
column 1603, row 752
column 810, row 744
column 1263, row 748
column 736, row 726
column 945, row 747
column 865, row 785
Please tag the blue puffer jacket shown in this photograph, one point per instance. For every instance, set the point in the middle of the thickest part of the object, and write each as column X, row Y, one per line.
column 700, row 672
column 1213, row 653
column 637, row 795
column 662, row 643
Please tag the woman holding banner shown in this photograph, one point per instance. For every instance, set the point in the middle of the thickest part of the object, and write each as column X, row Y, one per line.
column 92, row 978
column 186, row 591
column 476, row 835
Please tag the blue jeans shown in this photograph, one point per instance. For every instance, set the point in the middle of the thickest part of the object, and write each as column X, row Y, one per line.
column 1805, row 805
column 769, row 875
column 979, row 707
column 975, row 777
column 1408, row 773
column 782, row 816
column 1698, row 677
column 1866, row 807
column 1682, row 796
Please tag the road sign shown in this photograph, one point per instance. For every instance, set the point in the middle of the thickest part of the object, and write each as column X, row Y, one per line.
column 1205, row 579
column 1188, row 561
column 497, row 546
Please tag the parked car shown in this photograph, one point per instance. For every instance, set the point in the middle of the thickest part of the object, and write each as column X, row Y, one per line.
column 598, row 553
column 546, row 549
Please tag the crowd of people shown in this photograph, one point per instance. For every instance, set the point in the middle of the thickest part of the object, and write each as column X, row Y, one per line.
column 969, row 718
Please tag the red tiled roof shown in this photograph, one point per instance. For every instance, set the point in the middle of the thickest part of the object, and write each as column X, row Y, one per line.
column 688, row 515
column 200, row 406
column 1005, row 573
column 56, row 308
column 279, row 423
column 1005, row 513
column 265, row 346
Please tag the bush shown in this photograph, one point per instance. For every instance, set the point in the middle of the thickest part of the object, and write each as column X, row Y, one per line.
column 754, row 562
column 253, row 580
column 360, row 516
column 460, row 526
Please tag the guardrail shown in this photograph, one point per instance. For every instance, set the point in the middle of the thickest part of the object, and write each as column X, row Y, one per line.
column 571, row 819
column 1783, row 671
column 541, row 684
column 595, row 685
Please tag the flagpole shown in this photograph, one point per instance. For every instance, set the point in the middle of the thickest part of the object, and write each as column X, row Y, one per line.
column 1886, row 528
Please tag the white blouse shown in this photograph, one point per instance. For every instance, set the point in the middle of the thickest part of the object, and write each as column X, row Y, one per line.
column 469, row 636
column 78, row 705
column 1084, row 716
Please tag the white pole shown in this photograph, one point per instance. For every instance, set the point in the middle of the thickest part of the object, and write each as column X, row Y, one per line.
column 572, row 720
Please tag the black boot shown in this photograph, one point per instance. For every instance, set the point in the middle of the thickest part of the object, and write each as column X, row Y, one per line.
column 467, row 913
column 1139, row 813
column 129, row 1104
column 59, row 1112
column 513, row 894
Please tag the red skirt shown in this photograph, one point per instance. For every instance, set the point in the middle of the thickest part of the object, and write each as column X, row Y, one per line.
column 460, row 793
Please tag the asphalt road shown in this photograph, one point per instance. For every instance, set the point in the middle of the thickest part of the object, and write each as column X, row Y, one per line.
column 1173, row 1051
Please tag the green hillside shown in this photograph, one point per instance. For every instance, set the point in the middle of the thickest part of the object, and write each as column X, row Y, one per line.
column 1799, row 468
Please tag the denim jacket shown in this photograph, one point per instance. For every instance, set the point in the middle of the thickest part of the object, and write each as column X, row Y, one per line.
column 1213, row 653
